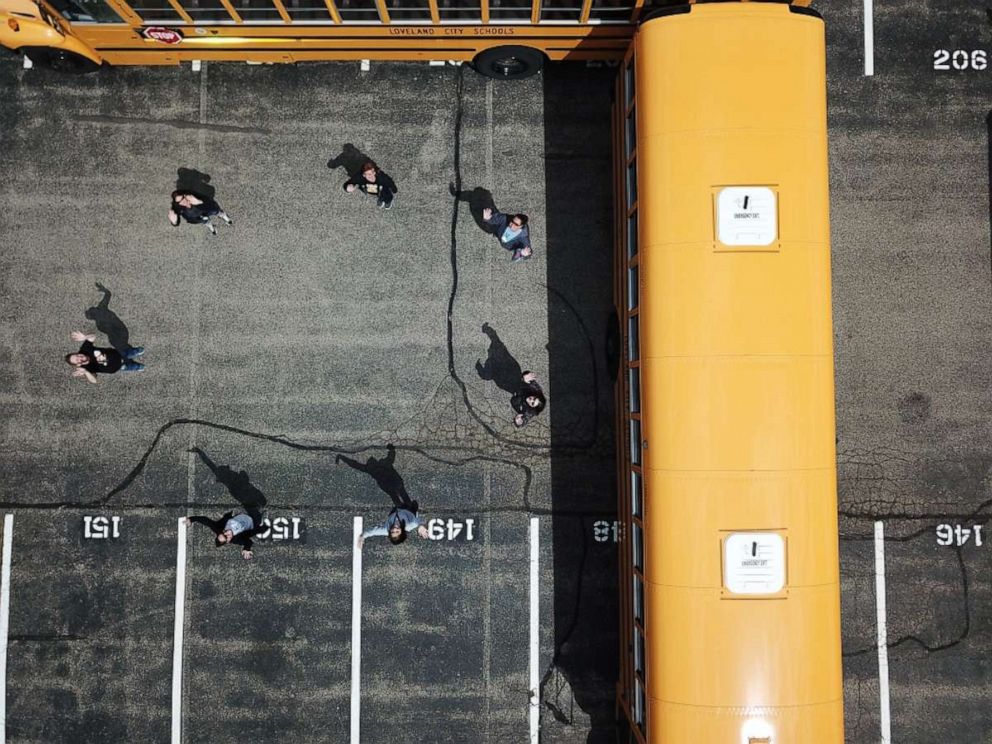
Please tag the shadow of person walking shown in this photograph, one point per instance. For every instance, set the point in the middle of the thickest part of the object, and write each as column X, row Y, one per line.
column 238, row 484
column 194, row 181
column 351, row 159
column 385, row 476
column 109, row 323
column 500, row 366
column 477, row 200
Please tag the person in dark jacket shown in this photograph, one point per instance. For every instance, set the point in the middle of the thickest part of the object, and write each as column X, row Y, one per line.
column 512, row 232
column 91, row 360
column 196, row 210
column 528, row 401
column 373, row 182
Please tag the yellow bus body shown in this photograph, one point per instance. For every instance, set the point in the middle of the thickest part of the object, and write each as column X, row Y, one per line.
column 231, row 31
column 736, row 379
column 22, row 24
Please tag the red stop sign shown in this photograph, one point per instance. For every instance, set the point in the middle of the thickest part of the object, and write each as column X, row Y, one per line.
column 163, row 34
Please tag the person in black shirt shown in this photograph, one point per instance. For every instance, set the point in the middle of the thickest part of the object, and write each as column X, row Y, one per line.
column 196, row 210
column 528, row 401
column 375, row 183
column 91, row 360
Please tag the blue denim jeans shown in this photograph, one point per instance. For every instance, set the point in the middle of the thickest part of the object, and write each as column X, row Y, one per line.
column 130, row 365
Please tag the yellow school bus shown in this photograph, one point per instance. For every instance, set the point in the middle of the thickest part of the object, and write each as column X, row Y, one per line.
column 502, row 38
column 730, row 599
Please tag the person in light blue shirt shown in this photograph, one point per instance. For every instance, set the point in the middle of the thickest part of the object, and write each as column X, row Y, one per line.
column 234, row 528
column 399, row 522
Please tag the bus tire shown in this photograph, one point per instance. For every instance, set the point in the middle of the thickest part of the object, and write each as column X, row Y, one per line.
column 508, row 62
column 60, row 60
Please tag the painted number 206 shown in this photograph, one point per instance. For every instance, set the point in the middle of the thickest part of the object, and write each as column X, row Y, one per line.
column 960, row 59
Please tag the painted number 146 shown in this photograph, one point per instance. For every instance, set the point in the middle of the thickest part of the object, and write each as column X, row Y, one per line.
column 957, row 535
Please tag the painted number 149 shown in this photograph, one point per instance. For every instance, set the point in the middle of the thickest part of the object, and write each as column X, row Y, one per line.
column 957, row 535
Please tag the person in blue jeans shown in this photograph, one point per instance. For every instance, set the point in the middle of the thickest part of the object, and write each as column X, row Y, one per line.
column 91, row 360
column 512, row 232
column 196, row 209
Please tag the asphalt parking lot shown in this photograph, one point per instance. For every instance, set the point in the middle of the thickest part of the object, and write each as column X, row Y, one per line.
column 910, row 171
column 319, row 326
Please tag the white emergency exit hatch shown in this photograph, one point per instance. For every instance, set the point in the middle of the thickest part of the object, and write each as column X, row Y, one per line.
column 746, row 216
column 754, row 563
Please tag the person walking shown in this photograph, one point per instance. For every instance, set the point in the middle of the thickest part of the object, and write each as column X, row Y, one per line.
column 374, row 182
column 528, row 401
column 91, row 360
column 512, row 232
column 196, row 210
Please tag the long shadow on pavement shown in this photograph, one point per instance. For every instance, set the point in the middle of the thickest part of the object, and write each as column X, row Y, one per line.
column 578, row 176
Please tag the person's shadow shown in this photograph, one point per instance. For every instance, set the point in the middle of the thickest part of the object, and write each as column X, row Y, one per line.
column 500, row 366
column 351, row 159
column 245, row 492
column 385, row 476
column 190, row 179
column 109, row 323
column 477, row 199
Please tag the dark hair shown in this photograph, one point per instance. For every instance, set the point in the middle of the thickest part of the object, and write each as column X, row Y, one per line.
column 541, row 401
column 400, row 537
column 522, row 218
column 69, row 361
column 369, row 165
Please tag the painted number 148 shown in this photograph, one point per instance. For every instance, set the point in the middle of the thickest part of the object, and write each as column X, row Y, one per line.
column 957, row 535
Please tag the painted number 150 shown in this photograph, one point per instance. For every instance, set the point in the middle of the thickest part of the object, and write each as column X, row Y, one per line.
column 960, row 59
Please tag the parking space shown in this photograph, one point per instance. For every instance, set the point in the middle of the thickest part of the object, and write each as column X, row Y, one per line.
column 90, row 634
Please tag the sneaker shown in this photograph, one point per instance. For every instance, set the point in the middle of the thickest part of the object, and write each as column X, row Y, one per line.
column 211, row 228
column 226, row 219
column 517, row 256
column 137, row 351
column 388, row 205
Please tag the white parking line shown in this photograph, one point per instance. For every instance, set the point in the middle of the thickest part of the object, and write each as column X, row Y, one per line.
column 177, row 635
column 869, row 38
column 883, row 650
column 535, row 632
column 8, row 540
column 356, row 633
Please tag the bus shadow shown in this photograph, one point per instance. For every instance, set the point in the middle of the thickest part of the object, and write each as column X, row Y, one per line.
column 578, row 180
